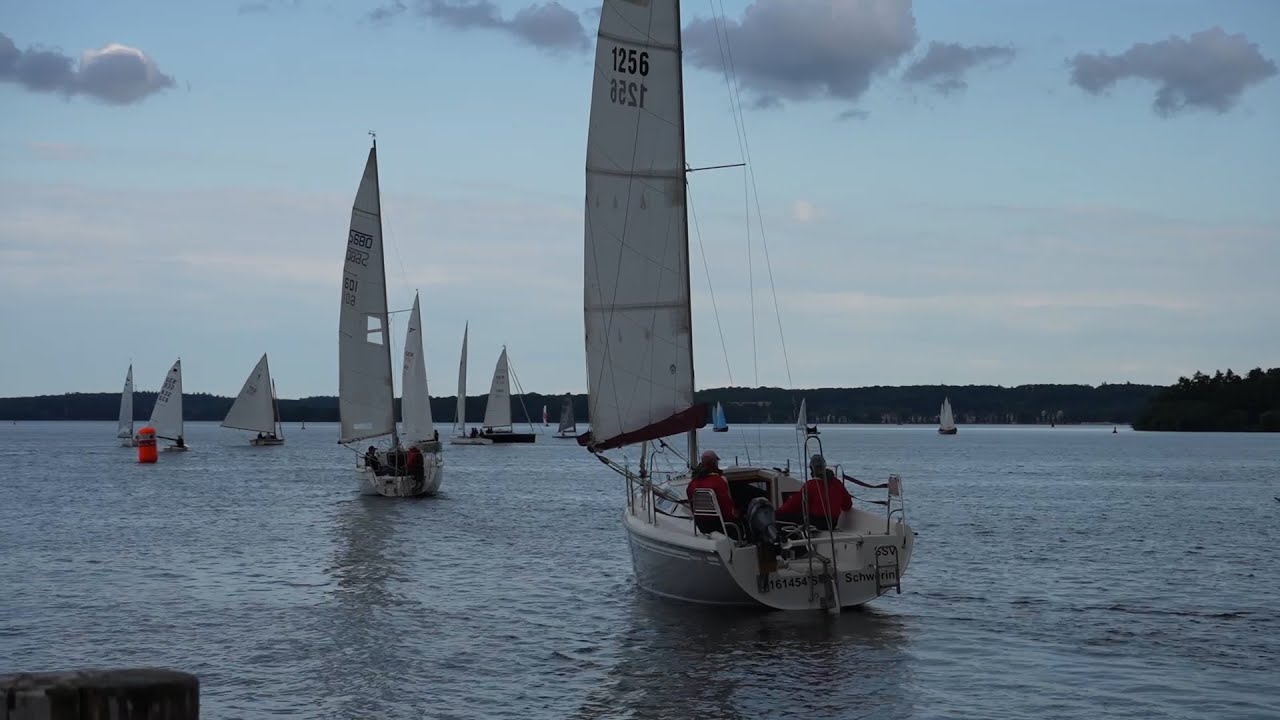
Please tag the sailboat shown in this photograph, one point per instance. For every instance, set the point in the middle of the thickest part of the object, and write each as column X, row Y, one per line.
column 166, row 414
column 545, row 421
column 415, row 405
column 497, row 413
column 568, row 426
column 639, row 343
column 124, row 426
column 460, row 436
column 366, row 399
column 718, row 422
column 946, row 422
column 256, row 409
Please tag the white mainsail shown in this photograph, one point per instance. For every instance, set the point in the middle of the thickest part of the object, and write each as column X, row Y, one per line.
column 254, row 408
column 124, row 427
column 638, row 324
column 497, row 412
column 415, row 404
column 802, row 418
column 945, row 420
column 166, row 415
column 365, row 393
column 460, row 415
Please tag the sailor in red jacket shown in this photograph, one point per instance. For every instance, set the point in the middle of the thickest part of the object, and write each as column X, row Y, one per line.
column 708, row 475
column 826, row 496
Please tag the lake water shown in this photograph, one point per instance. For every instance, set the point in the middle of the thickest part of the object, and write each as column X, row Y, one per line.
column 1066, row 572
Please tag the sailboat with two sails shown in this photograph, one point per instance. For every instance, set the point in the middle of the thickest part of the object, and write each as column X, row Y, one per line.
column 568, row 425
column 256, row 408
column 166, row 414
column 366, row 392
column 946, row 421
column 639, row 346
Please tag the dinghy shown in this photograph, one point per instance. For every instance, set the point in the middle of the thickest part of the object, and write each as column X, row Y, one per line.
column 256, row 408
column 124, row 426
column 638, row 338
column 166, row 414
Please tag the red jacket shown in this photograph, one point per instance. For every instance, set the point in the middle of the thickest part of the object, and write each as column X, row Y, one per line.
column 827, row 498
column 721, row 487
column 414, row 459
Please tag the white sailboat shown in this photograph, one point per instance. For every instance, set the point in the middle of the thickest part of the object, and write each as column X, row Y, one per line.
column 366, row 399
column 256, row 409
column 415, row 404
column 640, row 355
column 946, row 421
column 124, row 426
column 568, row 426
column 460, row 436
column 166, row 414
column 497, row 412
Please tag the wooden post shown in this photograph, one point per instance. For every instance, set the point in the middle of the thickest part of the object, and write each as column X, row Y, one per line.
column 124, row 693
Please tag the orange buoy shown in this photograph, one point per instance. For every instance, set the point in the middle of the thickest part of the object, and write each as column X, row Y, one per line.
column 147, row 445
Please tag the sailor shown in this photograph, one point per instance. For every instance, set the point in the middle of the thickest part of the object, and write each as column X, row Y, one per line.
column 414, row 462
column 371, row 458
column 180, row 443
column 708, row 475
column 826, row 498
column 260, row 435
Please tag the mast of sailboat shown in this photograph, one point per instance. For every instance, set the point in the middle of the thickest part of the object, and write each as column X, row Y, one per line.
column 386, row 315
column 684, row 217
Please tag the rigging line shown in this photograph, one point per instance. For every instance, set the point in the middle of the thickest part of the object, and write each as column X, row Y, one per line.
column 693, row 215
column 746, row 143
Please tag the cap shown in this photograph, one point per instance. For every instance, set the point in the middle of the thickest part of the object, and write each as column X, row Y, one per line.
column 710, row 456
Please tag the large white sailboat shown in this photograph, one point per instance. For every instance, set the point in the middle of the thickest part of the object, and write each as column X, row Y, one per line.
column 415, row 404
column 640, row 357
column 256, row 407
column 124, row 426
column 946, row 421
column 366, row 396
column 460, row 436
column 166, row 414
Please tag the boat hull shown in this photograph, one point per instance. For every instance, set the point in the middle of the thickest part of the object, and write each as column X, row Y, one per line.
column 505, row 438
column 369, row 483
column 265, row 442
column 947, row 431
column 470, row 441
column 176, row 448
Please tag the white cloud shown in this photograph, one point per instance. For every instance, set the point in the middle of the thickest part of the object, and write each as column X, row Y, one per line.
column 803, row 211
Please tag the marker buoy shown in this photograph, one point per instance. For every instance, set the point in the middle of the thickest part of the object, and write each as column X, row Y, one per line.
column 147, row 445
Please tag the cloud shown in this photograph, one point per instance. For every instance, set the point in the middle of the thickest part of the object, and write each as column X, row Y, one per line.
column 547, row 26
column 806, row 49
column 115, row 74
column 803, row 211
column 944, row 64
column 1211, row 70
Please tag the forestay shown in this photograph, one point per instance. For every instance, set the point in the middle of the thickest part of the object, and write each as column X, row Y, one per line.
column 124, row 426
column 415, row 405
column 254, row 408
column 498, row 411
column 364, row 343
column 638, row 334
column 166, row 415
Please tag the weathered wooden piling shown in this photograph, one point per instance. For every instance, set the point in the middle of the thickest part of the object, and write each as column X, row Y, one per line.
column 118, row 694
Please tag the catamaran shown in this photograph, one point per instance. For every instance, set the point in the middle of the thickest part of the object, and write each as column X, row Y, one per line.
column 366, row 395
column 946, row 422
column 639, row 330
column 166, row 414
column 568, row 426
column 256, row 407
column 124, row 426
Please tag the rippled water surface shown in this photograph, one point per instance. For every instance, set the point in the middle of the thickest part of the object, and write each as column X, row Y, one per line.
column 1061, row 572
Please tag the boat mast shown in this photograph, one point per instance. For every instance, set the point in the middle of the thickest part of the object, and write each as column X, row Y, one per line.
column 386, row 313
column 684, row 213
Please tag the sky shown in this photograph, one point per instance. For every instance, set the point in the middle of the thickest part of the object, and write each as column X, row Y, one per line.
column 999, row 192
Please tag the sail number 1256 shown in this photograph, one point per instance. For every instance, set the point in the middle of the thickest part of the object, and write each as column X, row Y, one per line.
column 629, row 61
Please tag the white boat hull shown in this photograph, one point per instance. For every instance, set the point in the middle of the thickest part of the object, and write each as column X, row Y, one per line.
column 176, row 448
column 370, row 483
column 470, row 441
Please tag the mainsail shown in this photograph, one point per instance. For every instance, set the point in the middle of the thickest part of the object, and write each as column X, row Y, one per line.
column 254, row 408
column 415, row 405
column 365, row 393
column 166, row 415
column 945, row 419
column 124, row 427
column 567, row 423
column 460, row 414
column 497, row 413
column 638, row 323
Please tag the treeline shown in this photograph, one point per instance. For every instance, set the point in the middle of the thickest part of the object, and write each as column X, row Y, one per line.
column 1221, row 402
column 1118, row 404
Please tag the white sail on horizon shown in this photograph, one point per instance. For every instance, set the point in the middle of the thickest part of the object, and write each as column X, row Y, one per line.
column 497, row 412
column 567, row 423
column 166, row 414
column 636, row 292
column 415, row 403
column 124, row 426
column 365, row 386
column 460, row 413
column 254, row 407
column 945, row 419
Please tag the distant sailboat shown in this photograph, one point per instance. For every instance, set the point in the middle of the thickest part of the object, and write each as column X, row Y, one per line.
column 568, row 426
column 255, row 408
column 802, row 420
column 166, row 414
column 124, row 427
column 460, row 436
column 718, row 422
column 497, row 413
column 946, row 422
column 545, row 421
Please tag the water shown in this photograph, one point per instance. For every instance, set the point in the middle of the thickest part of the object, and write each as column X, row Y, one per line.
column 1058, row 573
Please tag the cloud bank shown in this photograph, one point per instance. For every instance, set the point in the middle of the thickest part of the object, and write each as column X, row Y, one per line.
column 548, row 26
column 1209, row 71
column 944, row 64
column 115, row 74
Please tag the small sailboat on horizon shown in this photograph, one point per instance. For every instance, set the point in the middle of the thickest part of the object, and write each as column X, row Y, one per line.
column 460, row 436
column 256, row 407
column 124, row 426
column 497, row 424
column 718, row 421
column 946, row 421
column 568, row 425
